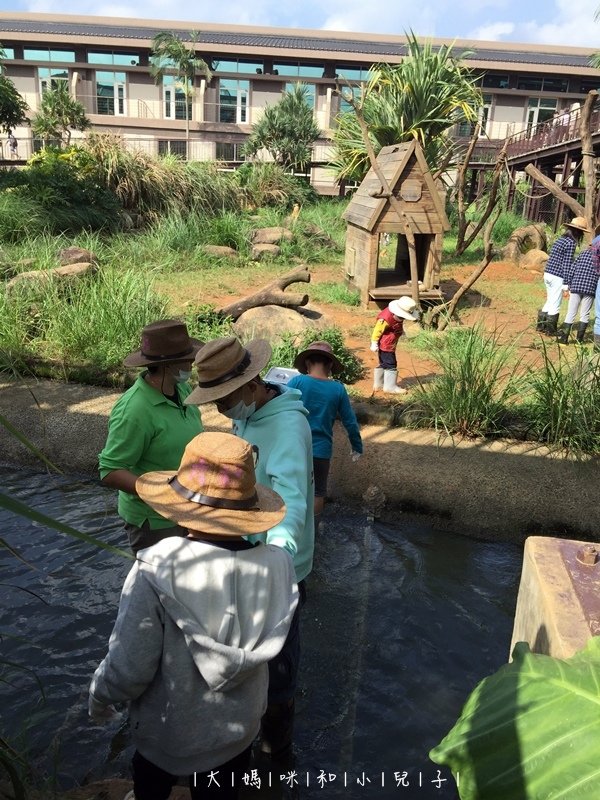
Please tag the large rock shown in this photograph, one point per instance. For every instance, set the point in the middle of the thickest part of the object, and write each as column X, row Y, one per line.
column 76, row 255
column 220, row 251
column 43, row 275
column 271, row 235
column 534, row 260
column 262, row 252
column 273, row 322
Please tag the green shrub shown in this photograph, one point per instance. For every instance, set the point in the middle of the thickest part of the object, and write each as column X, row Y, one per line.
column 267, row 184
column 470, row 396
column 285, row 352
column 564, row 398
column 20, row 216
column 205, row 323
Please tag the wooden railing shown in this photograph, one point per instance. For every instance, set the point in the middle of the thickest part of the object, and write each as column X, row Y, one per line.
column 554, row 132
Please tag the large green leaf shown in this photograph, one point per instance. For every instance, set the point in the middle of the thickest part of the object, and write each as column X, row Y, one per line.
column 531, row 731
column 10, row 504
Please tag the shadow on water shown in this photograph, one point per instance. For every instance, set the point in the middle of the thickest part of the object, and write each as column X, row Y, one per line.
column 400, row 624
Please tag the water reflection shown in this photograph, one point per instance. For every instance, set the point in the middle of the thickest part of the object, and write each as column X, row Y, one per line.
column 400, row 625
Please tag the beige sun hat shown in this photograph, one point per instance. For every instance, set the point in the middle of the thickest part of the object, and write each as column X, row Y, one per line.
column 214, row 490
column 162, row 342
column 404, row 307
column 223, row 365
column 579, row 223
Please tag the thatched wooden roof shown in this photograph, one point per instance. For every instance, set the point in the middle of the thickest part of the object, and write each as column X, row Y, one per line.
column 368, row 206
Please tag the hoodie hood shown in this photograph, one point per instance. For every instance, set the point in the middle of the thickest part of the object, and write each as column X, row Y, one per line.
column 289, row 400
column 216, row 597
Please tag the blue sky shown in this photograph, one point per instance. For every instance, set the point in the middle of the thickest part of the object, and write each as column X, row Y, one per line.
column 541, row 21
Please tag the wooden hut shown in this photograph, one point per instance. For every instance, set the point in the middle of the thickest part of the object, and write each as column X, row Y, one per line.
column 377, row 249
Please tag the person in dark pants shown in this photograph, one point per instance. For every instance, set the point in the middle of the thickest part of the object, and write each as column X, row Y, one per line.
column 150, row 426
column 273, row 419
column 582, row 281
column 558, row 265
column 199, row 620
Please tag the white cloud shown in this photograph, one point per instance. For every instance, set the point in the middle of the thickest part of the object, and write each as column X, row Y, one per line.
column 493, row 31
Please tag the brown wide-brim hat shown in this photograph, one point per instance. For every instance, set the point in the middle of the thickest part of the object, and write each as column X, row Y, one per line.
column 163, row 342
column 223, row 365
column 214, row 490
column 320, row 349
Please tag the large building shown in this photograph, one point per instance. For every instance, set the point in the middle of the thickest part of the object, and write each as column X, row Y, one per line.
column 106, row 65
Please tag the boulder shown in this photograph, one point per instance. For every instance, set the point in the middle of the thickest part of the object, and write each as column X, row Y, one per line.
column 272, row 323
column 43, row 275
column 262, row 252
column 271, row 235
column 76, row 255
column 534, row 260
column 220, row 251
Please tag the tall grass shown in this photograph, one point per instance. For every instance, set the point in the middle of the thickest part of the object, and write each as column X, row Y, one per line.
column 564, row 400
column 95, row 320
column 478, row 382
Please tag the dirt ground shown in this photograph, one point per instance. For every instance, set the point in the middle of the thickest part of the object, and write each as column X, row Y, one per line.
column 503, row 299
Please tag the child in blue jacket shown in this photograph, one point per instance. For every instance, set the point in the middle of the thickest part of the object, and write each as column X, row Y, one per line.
column 325, row 400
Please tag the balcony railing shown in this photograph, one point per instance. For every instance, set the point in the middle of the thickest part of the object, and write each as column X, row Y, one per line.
column 557, row 131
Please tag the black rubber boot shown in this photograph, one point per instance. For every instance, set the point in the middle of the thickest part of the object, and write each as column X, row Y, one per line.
column 277, row 730
column 581, row 329
column 562, row 337
column 541, row 321
column 551, row 323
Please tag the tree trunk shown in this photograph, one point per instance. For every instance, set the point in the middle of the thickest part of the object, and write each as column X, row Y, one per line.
column 488, row 254
column 271, row 294
column 461, row 177
column 570, row 202
column 589, row 161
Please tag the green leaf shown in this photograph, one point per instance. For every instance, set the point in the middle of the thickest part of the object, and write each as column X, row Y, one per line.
column 531, row 731
column 25, row 441
column 25, row 511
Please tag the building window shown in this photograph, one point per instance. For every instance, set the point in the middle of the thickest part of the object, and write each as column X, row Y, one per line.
column 466, row 129
column 532, row 84
column 539, row 110
column 233, row 101
column 175, row 99
column 589, row 86
column 309, row 91
column 110, row 93
column 60, row 56
column 230, row 151
column 297, row 69
column 52, row 78
column 173, row 147
column 239, row 65
column 114, row 59
column 492, row 81
column 352, row 73
column 9, row 52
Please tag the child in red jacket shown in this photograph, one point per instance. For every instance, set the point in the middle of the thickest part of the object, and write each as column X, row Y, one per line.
column 388, row 329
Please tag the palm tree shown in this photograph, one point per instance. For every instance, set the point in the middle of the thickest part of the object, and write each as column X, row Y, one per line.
column 170, row 54
column 287, row 130
column 421, row 98
column 59, row 115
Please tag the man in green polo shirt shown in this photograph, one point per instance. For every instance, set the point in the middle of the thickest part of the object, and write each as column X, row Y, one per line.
column 150, row 426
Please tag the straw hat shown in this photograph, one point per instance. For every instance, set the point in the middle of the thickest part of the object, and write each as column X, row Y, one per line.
column 162, row 342
column 214, row 490
column 224, row 365
column 404, row 307
column 579, row 223
column 317, row 348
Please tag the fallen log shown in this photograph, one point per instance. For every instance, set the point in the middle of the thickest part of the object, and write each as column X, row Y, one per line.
column 272, row 294
column 570, row 202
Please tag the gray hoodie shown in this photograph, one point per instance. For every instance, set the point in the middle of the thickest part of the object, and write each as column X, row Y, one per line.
column 197, row 624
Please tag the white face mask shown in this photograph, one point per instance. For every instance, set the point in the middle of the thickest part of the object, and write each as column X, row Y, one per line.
column 240, row 410
column 183, row 376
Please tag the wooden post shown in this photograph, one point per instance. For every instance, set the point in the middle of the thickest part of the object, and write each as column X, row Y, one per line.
column 570, row 202
column 589, row 160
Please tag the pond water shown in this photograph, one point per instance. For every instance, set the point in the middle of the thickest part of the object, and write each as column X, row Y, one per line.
column 400, row 624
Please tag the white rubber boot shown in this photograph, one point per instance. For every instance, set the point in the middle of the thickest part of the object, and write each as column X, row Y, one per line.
column 378, row 378
column 390, row 376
